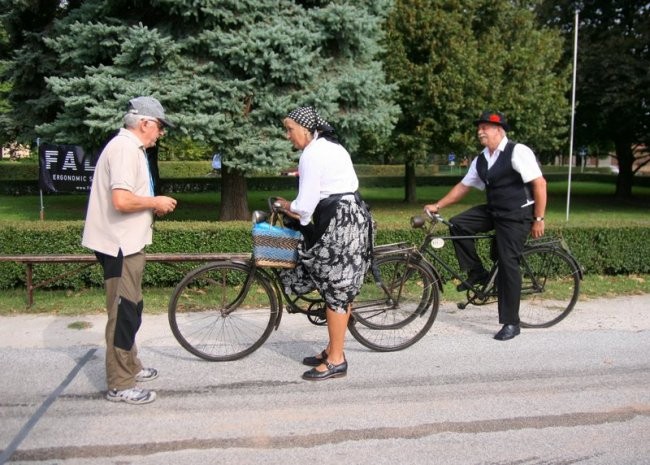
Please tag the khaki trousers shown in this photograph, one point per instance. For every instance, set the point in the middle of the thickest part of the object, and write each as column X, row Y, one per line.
column 123, row 284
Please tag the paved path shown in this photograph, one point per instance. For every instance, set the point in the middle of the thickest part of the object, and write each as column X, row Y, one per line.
column 574, row 393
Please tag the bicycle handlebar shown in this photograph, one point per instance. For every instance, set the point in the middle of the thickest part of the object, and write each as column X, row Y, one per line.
column 433, row 218
column 276, row 207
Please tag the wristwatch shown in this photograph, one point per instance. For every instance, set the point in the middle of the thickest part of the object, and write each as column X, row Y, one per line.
column 539, row 218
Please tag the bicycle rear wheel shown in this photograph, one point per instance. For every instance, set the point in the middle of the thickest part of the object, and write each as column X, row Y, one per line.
column 217, row 313
column 550, row 286
column 396, row 317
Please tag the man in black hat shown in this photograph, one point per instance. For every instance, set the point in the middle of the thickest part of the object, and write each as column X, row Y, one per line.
column 516, row 201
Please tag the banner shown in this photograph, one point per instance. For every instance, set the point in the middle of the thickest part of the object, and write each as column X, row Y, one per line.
column 64, row 168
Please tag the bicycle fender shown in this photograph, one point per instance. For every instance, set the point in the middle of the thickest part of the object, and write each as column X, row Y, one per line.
column 430, row 268
column 566, row 249
column 278, row 293
column 561, row 247
column 437, row 275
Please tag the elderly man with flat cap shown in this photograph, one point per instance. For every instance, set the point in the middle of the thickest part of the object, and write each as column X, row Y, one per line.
column 516, row 201
column 119, row 220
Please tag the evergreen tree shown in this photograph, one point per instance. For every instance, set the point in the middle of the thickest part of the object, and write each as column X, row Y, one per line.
column 613, row 81
column 25, row 63
column 454, row 58
column 226, row 72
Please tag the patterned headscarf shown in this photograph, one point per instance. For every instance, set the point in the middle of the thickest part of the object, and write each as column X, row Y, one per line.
column 308, row 118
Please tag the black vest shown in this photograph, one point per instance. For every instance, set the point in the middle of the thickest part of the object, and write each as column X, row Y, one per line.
column 507, row 195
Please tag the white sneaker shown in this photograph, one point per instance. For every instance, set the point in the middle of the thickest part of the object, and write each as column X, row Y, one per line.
column 131, row 396
column 146, row 374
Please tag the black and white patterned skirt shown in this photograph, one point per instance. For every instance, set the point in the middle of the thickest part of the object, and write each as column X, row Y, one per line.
column 337, row 263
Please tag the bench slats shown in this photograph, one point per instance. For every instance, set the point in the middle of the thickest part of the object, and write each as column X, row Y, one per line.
column 29, row 260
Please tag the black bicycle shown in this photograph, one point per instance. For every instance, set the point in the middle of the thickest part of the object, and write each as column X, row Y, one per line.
column 550, row 274
column 226, row 310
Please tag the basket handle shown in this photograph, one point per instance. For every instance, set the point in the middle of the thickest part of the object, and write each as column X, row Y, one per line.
column 277, row 211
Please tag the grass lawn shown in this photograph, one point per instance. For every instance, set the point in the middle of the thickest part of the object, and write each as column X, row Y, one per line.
column 591, row 204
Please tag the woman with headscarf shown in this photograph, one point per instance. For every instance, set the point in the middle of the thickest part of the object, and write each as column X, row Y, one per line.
column 336, row 226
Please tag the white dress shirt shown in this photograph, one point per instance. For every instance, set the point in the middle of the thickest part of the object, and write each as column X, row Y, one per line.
column 523, row 161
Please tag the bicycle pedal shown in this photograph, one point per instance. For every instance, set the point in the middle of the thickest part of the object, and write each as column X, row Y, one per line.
column 291, row 307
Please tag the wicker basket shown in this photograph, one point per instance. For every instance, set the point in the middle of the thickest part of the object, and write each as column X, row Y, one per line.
column 275, row 246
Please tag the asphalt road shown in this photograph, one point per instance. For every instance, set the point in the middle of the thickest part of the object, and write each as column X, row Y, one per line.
column 576, row 393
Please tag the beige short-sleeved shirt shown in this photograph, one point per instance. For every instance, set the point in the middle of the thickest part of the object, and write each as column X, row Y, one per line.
column 121, row 165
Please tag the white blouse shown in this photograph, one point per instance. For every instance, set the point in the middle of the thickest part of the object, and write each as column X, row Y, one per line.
column 325, row 168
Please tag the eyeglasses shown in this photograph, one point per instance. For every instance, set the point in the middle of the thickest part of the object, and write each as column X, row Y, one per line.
column 161, row 127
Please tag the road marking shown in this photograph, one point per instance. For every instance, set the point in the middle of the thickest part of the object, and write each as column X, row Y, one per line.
column 496, row 425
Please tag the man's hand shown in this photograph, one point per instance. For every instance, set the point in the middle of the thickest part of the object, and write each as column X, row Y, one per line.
column 127, row 202
column 432, row 208
column 163, row 205
column 537, row 229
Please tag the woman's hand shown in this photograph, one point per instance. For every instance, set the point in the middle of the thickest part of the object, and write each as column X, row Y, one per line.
column 284, row 207
column 282, row 204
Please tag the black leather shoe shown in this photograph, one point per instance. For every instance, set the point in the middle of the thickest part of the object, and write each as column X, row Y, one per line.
column 333, row 371
column 507, row 332
column 472, row 279
column 315, row 361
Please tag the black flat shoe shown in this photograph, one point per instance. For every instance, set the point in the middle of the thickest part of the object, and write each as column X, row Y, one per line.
column 333, row 371
column 473, row 279
column 315, row 361
column 507, row 332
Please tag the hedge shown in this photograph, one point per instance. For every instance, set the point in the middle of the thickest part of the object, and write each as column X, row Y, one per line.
column 601, row 251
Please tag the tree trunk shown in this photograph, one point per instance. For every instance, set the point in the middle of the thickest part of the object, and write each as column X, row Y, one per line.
column 234, row 196
column 625, row 176
column 409, row 183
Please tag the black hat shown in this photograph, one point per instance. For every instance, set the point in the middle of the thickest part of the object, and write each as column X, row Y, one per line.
column 493, row 117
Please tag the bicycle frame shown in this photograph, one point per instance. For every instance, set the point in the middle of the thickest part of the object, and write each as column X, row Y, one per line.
column 315, row 316
column 225, row 310
column 426, row 251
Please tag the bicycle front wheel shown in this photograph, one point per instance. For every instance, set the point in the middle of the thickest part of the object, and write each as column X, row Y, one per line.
column 219, row 312
column 400, row 313
column 550, row 286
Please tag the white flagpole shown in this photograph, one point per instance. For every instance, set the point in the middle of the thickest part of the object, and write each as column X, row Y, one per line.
column 38, row 151
column 573, row 111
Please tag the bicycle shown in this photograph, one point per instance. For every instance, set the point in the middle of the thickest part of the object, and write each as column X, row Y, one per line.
column 225, row 310
column 550, row 274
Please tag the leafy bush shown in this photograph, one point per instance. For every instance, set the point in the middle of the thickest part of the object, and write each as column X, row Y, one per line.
column 601, row 251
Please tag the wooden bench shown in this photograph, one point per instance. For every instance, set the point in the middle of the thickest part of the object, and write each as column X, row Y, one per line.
column 89, row 259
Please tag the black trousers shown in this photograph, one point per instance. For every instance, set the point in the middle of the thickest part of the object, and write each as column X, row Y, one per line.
column 509, row 243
